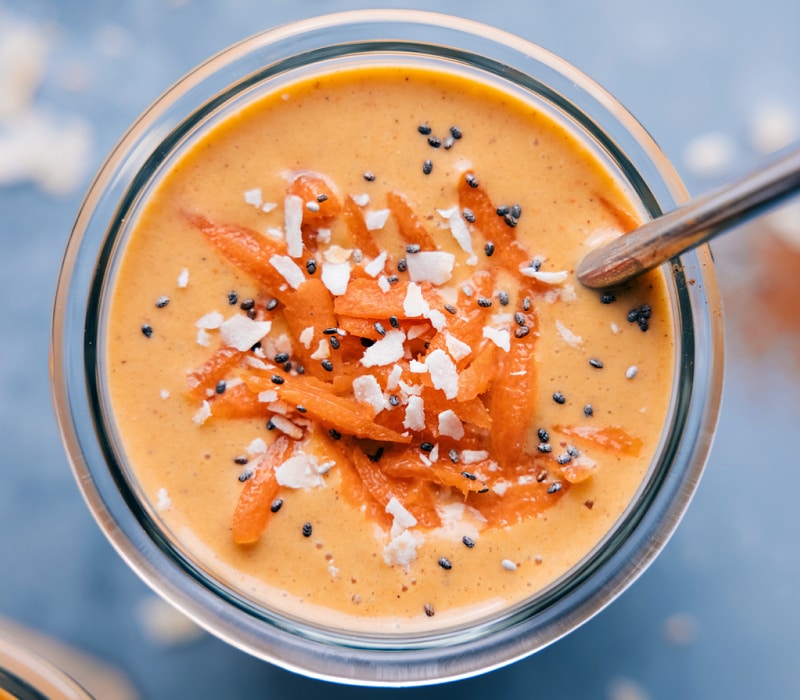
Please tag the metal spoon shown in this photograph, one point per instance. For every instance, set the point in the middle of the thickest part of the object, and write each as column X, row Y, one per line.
column 694, row 223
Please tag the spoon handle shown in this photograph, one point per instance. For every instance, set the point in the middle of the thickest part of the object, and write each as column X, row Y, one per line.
column 684, row 228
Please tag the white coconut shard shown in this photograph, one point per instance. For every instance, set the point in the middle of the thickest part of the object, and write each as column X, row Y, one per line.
column 450, row 425
column 376, row 219
column 292, row 221
column 376, row 265
column 434, row 266
column 443, row 372
column 243, row 333
column 288, row 269
column 500, row 337
column 367, row 390
column 336, row 277
column 385, row 351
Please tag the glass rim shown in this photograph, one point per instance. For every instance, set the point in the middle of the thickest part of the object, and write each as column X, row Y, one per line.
column 319, row 656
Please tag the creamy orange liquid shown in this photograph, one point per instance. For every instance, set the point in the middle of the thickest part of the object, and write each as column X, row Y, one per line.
column 343, row 124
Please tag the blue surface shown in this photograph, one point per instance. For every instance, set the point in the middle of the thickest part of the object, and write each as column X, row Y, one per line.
column 732, row 570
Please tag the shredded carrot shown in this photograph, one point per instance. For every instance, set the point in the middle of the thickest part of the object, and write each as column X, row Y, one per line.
column 319, row 192
column 213, row 370
column 357, row 226
column 411, row 228
column 610, row 437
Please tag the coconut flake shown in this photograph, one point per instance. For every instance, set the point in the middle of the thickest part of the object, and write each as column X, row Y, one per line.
column 414, row 303
column 361, row 199
column 544, row 276
column 203, row 337
column 210, row 321
column 337, row 254
column 292, row 221
column 450, row 425
column 286, row 426
column 385, row 351
column 500, row 337
column 384, row 284
column 306, row 336
column 394, row 378
column 267, row 207
column 164, row 394
column 473, row 456
column 323, row 351
column 299, row 472
column 203, row 414
column 164, row 501
column 256, row 447
column 253, row 197
column 569, row 337
column 415, row 414
column 402, row 519
column 376, row 219
column 183, row 278
column 336, row 277
column 444, row 374
column 367, row 390
column 458, row 349
column 402, row 549
column 434, row 266
column 288, row 269
column 243, row 333
column 458, row 227
column 267, row 396
column 375, row 267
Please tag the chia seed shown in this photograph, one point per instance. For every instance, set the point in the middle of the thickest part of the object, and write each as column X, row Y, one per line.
column 251, row 314
column 307, row 529
column 281, row 357
column 369, row 176
column 468, row 475
column 287, row 366
column 588, row 410
column 233, row 297
column 469, row 543
column 402, row 265
column 543, row 435
column 300, row 369
column 277, row 379
column 536, row 264
column 147, row 330
column 322, row 198
column 380, row 330
column 489, row 249
column 367, row 342
column 450, row 308
column 519, row 318
column 335, row 342
column 526, row 304
column 573, row 451
column 276, row 505
column 394, row 400
column 631, row 372
column 455, row 132
column 607, row 298
column 327, row 365
column 162, row 301
column 484, row 302
column 247, row 304
column 392, row 279
column 559, row 398
column 555, row 487
column 427, row 167
column 429, row 611
column 444, row 562
column 377, row 456
column 448, row 143
column 468, row 215
column 502, row 210
column 545, row 448
column 516, row 211
column 240, row 459
column 221, row 386
column 335, row 434
column 426, row 446
column 330, row 331
column 453, row 455
column 412, row 248
column 271, row 304
column 434, row 141
column 521, row 332
column 245, row 475
column 312, row 206
column 511, row 221
column 597, row 364
column 311, row 266
column 424, row 128
column 301, row 409
column 472, row 181
column 393, row 322
column 502, row 297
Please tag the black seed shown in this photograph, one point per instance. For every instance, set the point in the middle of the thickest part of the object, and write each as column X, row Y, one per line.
column 233, row 297
column 484, row 302
column 516, row 211
column 412, row 248
column 276, row 505
column 543, row 435
column 300, row 369
column 255, row 346
column 311, row 266
column 521, row 332
column 322, row 198
column 434, row 141
column 429, row 611
column 597, row 364
column 469, row 475
column 468, row 215
column 277, row 379
column 468, row 541
column 301, row 409
column 519, row 318
column 270, row 425
column 545, row 448
column 327, row 365
column 554, row 487
column 247, row 304
column 376, row 457
column 448, row 143
column 502, row 210
column 367, row 342
column 330, row 331
column 588, row 410
column 424, row 128
column 335, row 344
column 564, row 458
column 444, row 562
column 558, row 397
column 455, row 132
column 287, row 366
column 526, row 304
column 643, row 323
column 402, row 265
column 645, row 311
column 536, row 264
column 307, row 529
column 472, row 181
column 633, row 315
column 607, row 298
column 335, row 434
column 485, row 489
column 502, row 297
column 394, row 400
column 240, row 459
column 251, row 313
column 221, row 386
column 369, row 176
column 573, row 451
column 510, row 220
column 147, row 329
column 393, row 322
column 162, row 301
column 541, row 476
column 379, row 328
column 426, row 446
column 427, row 167
column 489, row 249
column 392, row 279
column 453, row 455
column 245, row 475
column 450, row 308
column 281, row 357
column 271, row 304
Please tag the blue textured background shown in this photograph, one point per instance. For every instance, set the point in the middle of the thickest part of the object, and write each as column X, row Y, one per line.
column 731, row 574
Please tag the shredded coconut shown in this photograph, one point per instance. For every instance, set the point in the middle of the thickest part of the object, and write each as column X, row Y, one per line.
column 544, row 276
column 203, row 337
column 444, row 374
column 210, row 321
column 288, row 269
column 183, row 278
column 375, row 267
column 306, row 336
column 337, row 254
column 323, row 351
column 433, row 266
column 569, row 337
column 299, row 472
column 367, row 390
column 458, row 349
column 243, row 333
column 253, row 197
column 257, row 447
column 376, row 219
column 394, row 377
column 415, row 414
column 292, row 221
column 414, row 303
column 286, row 426
column 402, row 519
column 267, row 396
column 203, row 414
column 361, row 199
column 402, row 549
column 450, row 425
column 164, row 394
column 164, row 501
column 336, row 277
column 500, row 337
column 386, row 351
column 473, row 456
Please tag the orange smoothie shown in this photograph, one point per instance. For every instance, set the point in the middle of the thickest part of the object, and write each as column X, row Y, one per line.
column 351, row 368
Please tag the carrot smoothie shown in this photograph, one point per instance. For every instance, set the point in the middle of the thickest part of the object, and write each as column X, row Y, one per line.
column 350, row 366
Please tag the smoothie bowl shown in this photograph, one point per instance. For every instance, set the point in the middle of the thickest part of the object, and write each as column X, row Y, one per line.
column 325, row 374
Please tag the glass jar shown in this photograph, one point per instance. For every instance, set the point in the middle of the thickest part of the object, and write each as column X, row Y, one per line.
column 208, row 95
